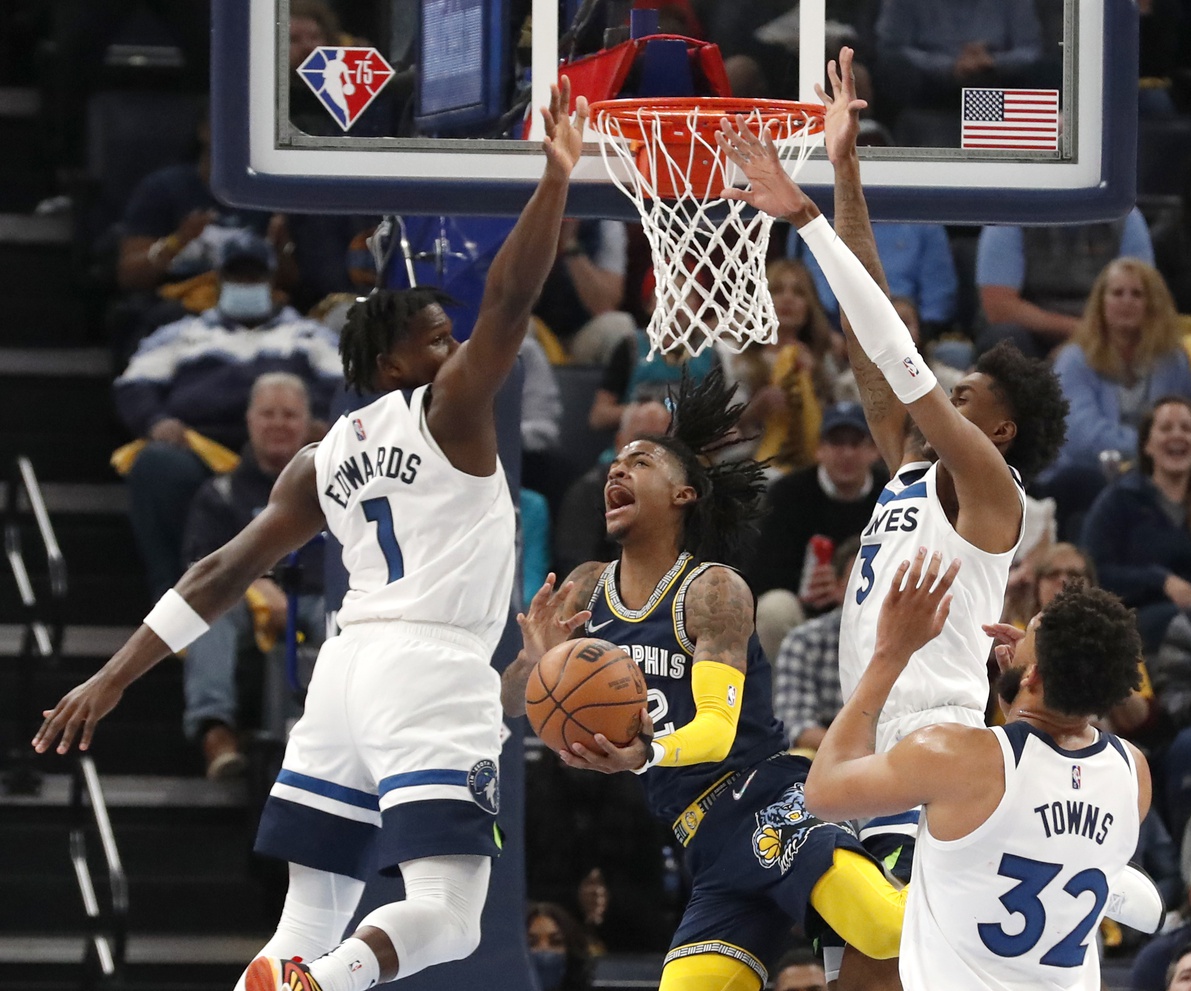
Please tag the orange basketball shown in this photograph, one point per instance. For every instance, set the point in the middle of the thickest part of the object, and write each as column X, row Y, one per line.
column 584, row 687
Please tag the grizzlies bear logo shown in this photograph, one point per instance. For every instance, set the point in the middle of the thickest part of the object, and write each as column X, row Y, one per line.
column 782, row 829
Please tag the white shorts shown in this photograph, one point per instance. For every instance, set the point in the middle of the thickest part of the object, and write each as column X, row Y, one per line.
column 396, row 756
column 890, row 731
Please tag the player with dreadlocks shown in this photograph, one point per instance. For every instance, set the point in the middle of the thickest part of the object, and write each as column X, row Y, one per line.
column 711, row 754
column 412, row 487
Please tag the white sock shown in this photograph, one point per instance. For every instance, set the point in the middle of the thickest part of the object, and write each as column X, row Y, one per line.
column 351, row 966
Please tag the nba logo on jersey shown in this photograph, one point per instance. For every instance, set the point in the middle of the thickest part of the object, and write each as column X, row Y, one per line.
column 1075, row 776
column 346, row 80
column 910, row 367
column 358, row 426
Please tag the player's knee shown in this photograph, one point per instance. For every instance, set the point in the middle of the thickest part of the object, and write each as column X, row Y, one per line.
column 860, row 904
column 461, row 928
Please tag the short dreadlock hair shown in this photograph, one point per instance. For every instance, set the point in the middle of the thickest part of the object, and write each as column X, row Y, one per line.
column 728, row 493
column 1031, row 390
column 376, row 323
column 1087, row 649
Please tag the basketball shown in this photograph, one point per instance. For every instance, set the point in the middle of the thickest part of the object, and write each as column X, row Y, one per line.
column 584, row 687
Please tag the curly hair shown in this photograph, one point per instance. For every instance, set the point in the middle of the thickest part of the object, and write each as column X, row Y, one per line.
column 728, row 493
column 1036, row 403
column 376, row 323
column 1087, row 649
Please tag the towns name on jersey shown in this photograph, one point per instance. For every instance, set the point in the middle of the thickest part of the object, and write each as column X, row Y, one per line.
column 1076, row 819
column 391, row 462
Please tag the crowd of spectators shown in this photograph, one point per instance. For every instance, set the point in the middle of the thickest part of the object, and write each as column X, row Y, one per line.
column 224, row 325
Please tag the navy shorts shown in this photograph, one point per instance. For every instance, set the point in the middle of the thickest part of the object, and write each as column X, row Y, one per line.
column 757, row 849
column 890, row 840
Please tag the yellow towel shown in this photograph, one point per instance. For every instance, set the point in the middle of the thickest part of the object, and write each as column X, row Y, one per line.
column 214, row 455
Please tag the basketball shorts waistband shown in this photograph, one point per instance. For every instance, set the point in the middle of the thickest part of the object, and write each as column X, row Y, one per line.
column 687, row 824
column 441, row 632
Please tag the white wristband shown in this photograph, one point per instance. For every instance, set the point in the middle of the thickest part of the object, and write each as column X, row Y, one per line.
column 656, row 753
column 878, row 328
column 175, row 621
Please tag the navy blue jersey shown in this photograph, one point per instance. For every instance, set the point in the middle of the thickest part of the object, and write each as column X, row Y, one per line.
column 656, row 637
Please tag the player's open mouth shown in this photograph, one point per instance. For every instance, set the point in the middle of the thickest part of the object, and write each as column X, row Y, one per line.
column 617, row 497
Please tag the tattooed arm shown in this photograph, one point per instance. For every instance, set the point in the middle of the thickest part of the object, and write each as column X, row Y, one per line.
column 887, row 417
column 719, row 617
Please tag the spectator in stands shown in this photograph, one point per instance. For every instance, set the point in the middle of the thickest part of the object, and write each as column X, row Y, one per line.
column 581, row 300
column 1045, row 576
column 833, row 498
column 1137, row 529
column 918, row 267
column 799, row 970
column 1034, row 282
column 927, row 50
column 806, row 685
column 1126, row 353
column 541, row 415
column 579, row 532
column 632, row 376
column 1164, row 963
column 171, row 233
column 278, row 421
column 557, row 949
column 788, row 383
column 194, row 376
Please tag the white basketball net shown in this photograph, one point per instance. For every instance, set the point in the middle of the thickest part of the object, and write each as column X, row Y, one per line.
column 708, row 253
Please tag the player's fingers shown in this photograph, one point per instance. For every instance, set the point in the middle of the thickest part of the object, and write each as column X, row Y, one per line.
column 747, row 137
column 88, row 732
column 646, row 721
column 69, row 732
column 45, row 733
column 577, row 620
column 948, row 578
column 914, row 578
column 932, row 571
column 732, row 193
column 549, row 120
column 730, row 142
column 822, row 94
column 564, row 95
column 581, row 114
column 898, row 577
column 833, row 75
column 942, row 613
column 858, row 105
column 606, row 745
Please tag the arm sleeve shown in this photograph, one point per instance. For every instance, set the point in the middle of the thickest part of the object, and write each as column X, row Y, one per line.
column 719, row 692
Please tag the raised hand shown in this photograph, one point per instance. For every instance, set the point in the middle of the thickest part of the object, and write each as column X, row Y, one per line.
column 913, row 615
column 771, row 189
column 1006, row 637
column 543, row 626
column 563, row 143
column 841, row 123
column 80, row 709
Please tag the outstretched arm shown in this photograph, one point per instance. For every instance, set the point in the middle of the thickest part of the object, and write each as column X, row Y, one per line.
column 460, row 415
column 990, row 509
column 847, row 777
column 886, row 416
column 209, row 588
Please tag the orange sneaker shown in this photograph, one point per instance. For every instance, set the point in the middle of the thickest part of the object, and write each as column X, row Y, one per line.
column 272, row 974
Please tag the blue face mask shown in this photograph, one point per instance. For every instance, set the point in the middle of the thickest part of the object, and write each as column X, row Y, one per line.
column 245, row 300
column 550, row 966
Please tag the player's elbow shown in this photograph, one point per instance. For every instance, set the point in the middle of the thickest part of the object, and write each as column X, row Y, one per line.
column 821, row 800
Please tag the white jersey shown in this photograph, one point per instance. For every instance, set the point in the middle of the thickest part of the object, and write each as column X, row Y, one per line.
column 1015, row 905
column 950, row 672
column 422, row 541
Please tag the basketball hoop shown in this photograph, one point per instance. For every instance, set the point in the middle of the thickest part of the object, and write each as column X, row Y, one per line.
column 708, row 252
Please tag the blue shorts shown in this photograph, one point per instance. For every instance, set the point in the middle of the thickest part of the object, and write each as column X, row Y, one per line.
column 757, row 849
column 396, row 756
column 890, row 840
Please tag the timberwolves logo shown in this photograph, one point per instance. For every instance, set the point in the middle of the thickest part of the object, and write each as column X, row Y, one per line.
column 483, row 782
column 782, row 829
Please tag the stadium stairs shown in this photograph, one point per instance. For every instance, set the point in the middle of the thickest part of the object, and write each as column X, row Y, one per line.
column 199, row 904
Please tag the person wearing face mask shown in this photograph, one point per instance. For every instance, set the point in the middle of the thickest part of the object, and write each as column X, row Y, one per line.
column 556, row 948
column 194, row 376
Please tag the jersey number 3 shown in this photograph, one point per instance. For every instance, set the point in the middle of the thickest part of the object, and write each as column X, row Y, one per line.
column 379, row 511
column 868, row 554
column 1022, row 899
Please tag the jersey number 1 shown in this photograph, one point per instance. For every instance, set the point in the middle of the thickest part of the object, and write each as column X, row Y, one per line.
column 379, row 511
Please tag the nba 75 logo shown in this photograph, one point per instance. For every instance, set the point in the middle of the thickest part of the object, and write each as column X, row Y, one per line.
column 346, row 80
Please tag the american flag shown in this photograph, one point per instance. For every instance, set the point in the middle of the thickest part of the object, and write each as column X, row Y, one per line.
column 1027, row 119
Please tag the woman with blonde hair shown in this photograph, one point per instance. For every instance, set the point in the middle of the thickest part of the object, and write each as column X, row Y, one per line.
column 787, row 384
column 1126, row 353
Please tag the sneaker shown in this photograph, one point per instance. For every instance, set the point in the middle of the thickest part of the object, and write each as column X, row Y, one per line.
column 271, row 974
column 221, row 749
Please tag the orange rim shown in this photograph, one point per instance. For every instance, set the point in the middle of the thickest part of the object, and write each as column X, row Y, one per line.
column 674, row 114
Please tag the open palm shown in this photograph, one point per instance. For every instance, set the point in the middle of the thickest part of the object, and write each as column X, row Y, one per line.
column 564, row 137
column 841, row 122
column 771, row 189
